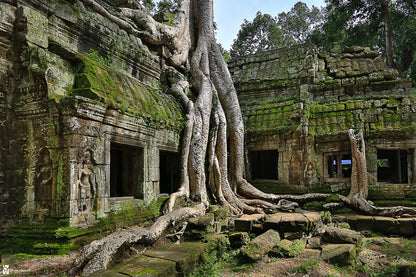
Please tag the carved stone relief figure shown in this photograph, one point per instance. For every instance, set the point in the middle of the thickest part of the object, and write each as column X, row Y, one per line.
column 43, row 192
column 86, row 183
column 309, row 174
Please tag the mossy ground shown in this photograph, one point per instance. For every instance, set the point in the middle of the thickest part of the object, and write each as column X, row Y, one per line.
column 380, row 257
column 56, row 237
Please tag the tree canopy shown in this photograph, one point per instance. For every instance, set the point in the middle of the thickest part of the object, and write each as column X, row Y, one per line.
column 266, row 32
column 263, row 33
column 299, row 22
column 387, row 26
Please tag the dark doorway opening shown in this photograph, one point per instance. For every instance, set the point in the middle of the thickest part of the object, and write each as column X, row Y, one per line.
column 264, row 164
column 169, row 172
column 124, row 170
column 392, row 166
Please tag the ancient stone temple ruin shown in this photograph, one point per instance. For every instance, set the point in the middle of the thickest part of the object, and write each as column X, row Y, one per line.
column 298, row 104
column 85, row 121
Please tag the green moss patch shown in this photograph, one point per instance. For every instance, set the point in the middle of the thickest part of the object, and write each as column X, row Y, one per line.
column 122, row 92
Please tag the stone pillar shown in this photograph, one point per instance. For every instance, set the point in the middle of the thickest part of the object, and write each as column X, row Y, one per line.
column 149, row 183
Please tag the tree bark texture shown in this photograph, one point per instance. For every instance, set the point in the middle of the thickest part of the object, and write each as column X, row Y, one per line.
column 391, row 61
column 359, row 183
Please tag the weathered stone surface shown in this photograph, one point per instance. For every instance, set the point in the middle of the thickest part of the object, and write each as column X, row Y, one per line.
column 333, row 101
column 238, row 239
column 261, row 245
column 109, row 273
column 339, row 254
column 407, row 226
column 287, row 248
column 386, row 225
column 292, row 222
column 245, row 222
column 144, row 266
column 184, row 255
column 292, row 235
column 360, row 222
column 313, row 243
column 310, row 254
column 202, row 222
column 62, row 113
column 341, row 235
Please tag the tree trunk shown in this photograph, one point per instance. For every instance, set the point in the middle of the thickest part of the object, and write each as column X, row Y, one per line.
column 359, row 179
column 213, row 120
column 391, row 61
column 357, row 197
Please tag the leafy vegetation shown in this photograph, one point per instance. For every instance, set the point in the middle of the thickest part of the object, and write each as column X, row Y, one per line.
column 308, row 266
column 57, row 238
column 387, row 26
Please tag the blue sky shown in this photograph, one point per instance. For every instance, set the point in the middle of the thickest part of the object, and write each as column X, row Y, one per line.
column 230, row 14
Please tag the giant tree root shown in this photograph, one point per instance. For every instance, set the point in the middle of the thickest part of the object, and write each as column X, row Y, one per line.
column 98, row 254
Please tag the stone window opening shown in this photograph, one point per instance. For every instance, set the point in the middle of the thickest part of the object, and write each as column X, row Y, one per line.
column 264, row 164
column 169, row 172
column 393, row 166
column 337, row 166
column 124, row 170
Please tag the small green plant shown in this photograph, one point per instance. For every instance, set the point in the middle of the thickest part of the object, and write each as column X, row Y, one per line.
column 314, row 206
column 93, row 54
column 326, row 217
column 310, row 265
column 215, row 258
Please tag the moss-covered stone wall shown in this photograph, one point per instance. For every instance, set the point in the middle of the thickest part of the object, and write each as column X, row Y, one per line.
column 301, row 102
column 73, row 85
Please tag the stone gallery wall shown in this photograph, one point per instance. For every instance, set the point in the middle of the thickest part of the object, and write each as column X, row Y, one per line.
column 82, row 114
column 300, row 102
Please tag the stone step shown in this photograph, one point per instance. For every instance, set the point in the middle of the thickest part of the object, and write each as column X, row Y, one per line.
column 303, row 221
column 170, row 260
column 380, row 224
column 245, row 222
column 292, row 222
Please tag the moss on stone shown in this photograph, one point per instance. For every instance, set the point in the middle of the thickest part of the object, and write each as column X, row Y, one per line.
column 126, row 94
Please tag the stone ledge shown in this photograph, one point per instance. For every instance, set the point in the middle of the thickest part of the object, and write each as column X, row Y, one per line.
column 380, row 224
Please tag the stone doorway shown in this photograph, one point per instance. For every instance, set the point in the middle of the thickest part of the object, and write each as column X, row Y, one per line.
column 264, row 164
column 125, row 171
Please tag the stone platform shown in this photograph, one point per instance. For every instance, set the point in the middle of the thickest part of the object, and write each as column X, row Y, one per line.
column 303, row 221
column 380, row 224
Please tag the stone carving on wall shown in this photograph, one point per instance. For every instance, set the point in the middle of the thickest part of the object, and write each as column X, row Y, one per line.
column 86, row 183
column 309, row 174
column 44, row 179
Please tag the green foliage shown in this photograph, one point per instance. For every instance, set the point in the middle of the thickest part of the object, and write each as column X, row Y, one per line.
column 258, row 35
column 226, row 56
column 266, row 32
column 308, row 266
column 299, row 22
column 215, row 257
column 288, row 248
column 332, row 198
column 326, row 217
column 363, row 23
column 313, row 206
column 165, row 10
column 93, row 54
column 115, row 88
column 131, row 214
column 57, row 238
